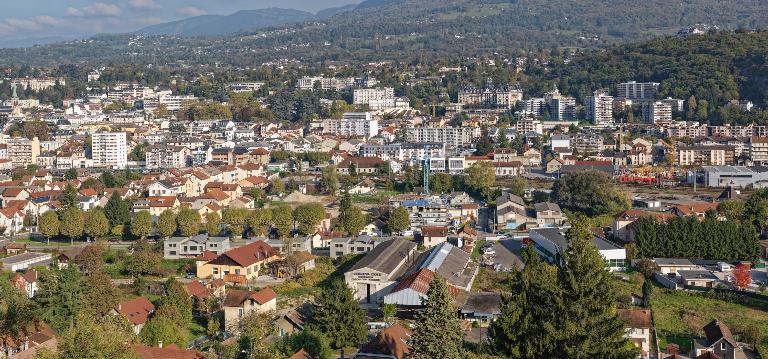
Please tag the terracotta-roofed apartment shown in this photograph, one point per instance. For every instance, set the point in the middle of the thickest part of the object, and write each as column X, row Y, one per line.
column 238, row 264
column 136, row 310
column 239, row 303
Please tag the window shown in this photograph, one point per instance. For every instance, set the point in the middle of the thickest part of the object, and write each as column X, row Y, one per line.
column 240, row 312
column 237, row 271
column 173, row 253
column 215, row 270
column 722, row 345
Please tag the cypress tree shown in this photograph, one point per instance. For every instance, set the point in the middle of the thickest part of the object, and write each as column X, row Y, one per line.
column 438, row 332
column 339, row 316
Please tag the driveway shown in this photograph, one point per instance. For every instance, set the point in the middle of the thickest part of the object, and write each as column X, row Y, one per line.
column 507, row 254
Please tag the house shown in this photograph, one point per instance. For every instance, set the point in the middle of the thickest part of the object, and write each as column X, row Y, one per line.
column 482, row 308
column 239, row 303
column 361, row 165
column 11, row 221
column 553, row 165
column 508, row 208
column 637, row 328
column 698, row 278
column 354, row 245
column 14, row 248
column 294, row 320
column 363, row 187
column 623, row 227
column 37, row 336
column 166, row 352
column 136, row 310
column 433, row 235
column 375, row 274
column 550, row 243
column 26, row 282
column 391, row 343
column 720, row 341
column 188, row 247
column 298, row 262
column 549, row 214
column 156, row 205
column 238, row 264
column 301, row 354
column 698, row 209
column 671, row 266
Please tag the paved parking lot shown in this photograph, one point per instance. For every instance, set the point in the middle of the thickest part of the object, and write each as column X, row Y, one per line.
column 506, row 254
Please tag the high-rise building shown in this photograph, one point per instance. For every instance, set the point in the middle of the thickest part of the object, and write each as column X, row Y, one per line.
column 376, row 98
column 453, row 137
column 599, row 108
column 23, row 151
column 109, row 149
column 352, row 124
column 657, row 112
column 560, row 107
column 641, row 91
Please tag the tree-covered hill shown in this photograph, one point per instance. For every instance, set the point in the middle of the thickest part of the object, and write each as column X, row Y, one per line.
column 419, row 30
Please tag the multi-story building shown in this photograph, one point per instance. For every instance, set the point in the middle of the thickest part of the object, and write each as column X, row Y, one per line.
column 325, row 83
column 163, row 156
column 675, row 104
column 657, row 112
column 587, row 143
column 639, row 91
column 535, row 107
column 38, row 83
column 239, row 87
column 705, row 155
column 352, row 124
column 525, row 125
column 758, row 150
column 599, row 108
column 560, row 107
column 109, row 149
column 23, row 151
column 491, row 96
column 375, row 98
column 452, row 137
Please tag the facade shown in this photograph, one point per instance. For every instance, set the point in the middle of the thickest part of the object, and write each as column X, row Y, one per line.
column 452, row 137
column 639, row 91
column 638, row 329
column 164, row 156
column 758, row 150
column 24, row 261
column 550, row 242
column 236, row 265
column 587, row 143
column 719, row 342
column 23, row 151
column 188, row 247
column 109, row 149
column 427, row 211
column 352, row 124
column 376, row 99
column 599, row 108
column 325, row 83
column 38, row 83
column 705, row 155
column 239, row 303
column 375, row 274
column 735, row 176
column 491, row 96
column 657, row 112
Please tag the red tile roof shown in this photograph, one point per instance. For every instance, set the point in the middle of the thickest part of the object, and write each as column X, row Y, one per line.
column 434, row 231
column 391, row 341
column 168, row 352
column 206, row 256
column 249, row 254
column 136, row 310
column 301, row 354
column 235, row 298
column 635, row 318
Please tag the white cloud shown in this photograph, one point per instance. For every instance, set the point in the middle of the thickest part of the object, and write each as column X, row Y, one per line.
column 144, row 4
column 191, row 11
column 95, row 9
column 47, row 20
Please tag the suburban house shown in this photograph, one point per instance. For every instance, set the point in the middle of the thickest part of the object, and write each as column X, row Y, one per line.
column 136, row 310
column 26, row 282
column 391, row 343
column 671, row 266
column 239, row 303
column 238, row 264
column 482, row 308
column 188, row 247
column 549, row 214
column 294, row 320
column 720, row 341
column 623, row 223
column 433, row 235
column 511, row 212
column 550, row 242
column 374, row 275
column 638, row 328
column 698, row 278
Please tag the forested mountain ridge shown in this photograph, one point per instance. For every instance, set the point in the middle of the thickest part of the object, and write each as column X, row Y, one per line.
column 407, row 30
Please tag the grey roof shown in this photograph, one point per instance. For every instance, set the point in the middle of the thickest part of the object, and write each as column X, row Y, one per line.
column 200, row 239
column 484, row 302
column 23, row 257
column 509, row 197
column 450, row 263
column 602, row 244
column 673, row 262
column 554, row 235
column 386, row 256
column 697, row 274
column 546, row 206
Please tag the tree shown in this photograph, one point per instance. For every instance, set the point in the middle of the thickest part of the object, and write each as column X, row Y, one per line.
column 647, row 267
column 438, row 332
column 691, row 104
column 647, row 292
column 72, row 222
column 91, row 259
column 480, row 177
column 49, row 224
column 188, row 221
column 97, row 224
column 176, row 297
column 277, row 187
column 71, row 174
column 308, row 216
column 399, row 220
column 109, row 336
column 314, row 343
column 60, row 296
column 503, row 140
column 255, row 327
column 517, row 186
column 166, row 223
column 282, row 217
column 354, row 221
column 143, row 262
column 338, row 315
column 589, row 192
column 388, row 312
column 440, row 183
column 212, row 327
column 329, row 180
column 100, row 294
column 213, row 224
column 527, row 328
column 732, row 209
column 17, row 312
column 741, row 277
column 141, row 226
column 68, row 198
column 236, row 219
column 259, row 220
column 162, row 329
column 118, row 212
column 588, row 322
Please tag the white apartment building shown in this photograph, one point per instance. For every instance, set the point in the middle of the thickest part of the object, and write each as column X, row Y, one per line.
column 599, row 108
column 376, row 98
column 175, row 103
column 452, row 137
column 109, row 149
column 352, row 124
column 525, row 125
column 657, row 112
column 163, row 156
column 641, row 91
column 560, row 107
column 758, row 150
column 330, row 83
column 37, row 84
column 674, row 103
column 23, row 151
column 239, row 87
column 535, row 106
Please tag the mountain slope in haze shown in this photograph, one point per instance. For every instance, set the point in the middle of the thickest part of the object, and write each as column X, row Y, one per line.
column 244, row 20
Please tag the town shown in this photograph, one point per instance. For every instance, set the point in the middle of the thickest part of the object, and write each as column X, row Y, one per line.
column 381, row 210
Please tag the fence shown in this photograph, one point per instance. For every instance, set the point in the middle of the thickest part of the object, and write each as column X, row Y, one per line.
column 666, row 281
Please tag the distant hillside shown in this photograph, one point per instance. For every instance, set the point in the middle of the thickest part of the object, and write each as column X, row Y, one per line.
column 212, row 25
column 406, row 30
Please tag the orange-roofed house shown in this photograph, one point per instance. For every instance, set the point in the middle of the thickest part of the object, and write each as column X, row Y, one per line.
column 239, row 303
column 638, row 328
column 136, row 310
column 156, row 205
column 166, row 352
column 390, row 343
column 11, row 221
column 433, row 235
column 239, row 264
column 698, row 209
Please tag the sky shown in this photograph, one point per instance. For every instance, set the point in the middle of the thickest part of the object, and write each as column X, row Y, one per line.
column 23, row 19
